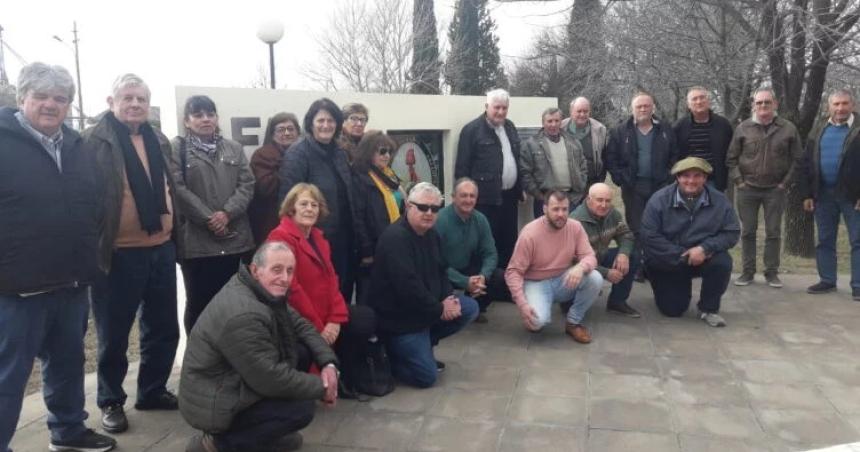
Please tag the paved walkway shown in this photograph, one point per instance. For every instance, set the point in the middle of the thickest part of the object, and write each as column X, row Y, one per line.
column 783, row 376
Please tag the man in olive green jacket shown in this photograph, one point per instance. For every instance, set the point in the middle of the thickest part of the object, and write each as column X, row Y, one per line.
column 551, row 161
column 244, row 377
column 762, row 158
column 604, row 223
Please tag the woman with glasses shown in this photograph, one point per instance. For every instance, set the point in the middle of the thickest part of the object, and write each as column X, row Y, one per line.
column 355, row 117
column 314, row 291
column 214, row 186
column 316, row 159
column 282, row 130
column 378, row 198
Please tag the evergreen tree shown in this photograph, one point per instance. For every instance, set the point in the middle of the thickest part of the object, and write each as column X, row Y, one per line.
column 424, row 74
column 473, row 65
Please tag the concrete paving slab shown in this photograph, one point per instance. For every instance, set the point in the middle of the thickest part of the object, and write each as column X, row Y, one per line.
column 782, row 376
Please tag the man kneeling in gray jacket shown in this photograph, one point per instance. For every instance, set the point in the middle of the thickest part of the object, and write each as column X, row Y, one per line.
column 244, row 376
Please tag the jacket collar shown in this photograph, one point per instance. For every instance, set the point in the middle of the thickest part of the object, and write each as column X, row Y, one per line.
column 292, row 229
column 850, row 121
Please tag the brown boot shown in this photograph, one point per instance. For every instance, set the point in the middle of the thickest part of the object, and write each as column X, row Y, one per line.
column 578, row 332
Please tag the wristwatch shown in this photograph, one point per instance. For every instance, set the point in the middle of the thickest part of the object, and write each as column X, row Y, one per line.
column 336, row 371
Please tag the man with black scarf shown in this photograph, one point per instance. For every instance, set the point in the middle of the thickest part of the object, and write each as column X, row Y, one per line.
column 137, row 253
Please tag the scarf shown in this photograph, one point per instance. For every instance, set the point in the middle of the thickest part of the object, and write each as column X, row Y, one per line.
column 207, row 148
column 148, row 191
column 386, row 182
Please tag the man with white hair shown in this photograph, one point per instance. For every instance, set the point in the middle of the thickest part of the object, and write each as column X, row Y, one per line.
column 592, row 137
column 415, row 304
column 489, row 152
column 50, row 213
column 137, row 253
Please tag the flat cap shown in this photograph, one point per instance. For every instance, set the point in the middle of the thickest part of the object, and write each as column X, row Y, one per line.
column 692, row 163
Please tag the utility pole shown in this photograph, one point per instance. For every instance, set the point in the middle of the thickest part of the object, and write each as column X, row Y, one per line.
column 82, row 118
column 4, row 79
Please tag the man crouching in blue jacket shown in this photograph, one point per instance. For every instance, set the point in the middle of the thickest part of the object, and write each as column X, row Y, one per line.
column 687, row 230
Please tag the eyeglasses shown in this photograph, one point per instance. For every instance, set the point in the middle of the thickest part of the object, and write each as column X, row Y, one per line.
column 284, row 130
column 427, row 207
column 358, row 119
column 384, row 151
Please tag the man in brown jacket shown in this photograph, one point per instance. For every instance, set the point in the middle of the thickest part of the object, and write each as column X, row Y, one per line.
column 762, row 158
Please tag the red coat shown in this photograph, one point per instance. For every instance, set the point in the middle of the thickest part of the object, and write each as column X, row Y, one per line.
column 314, row 291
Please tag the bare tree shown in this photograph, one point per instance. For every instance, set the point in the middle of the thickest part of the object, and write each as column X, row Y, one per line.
column 367, row 46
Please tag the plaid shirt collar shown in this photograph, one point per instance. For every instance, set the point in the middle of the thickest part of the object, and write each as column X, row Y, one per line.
column 52, row 144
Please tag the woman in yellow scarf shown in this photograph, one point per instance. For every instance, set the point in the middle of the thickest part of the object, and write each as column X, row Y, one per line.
column 378, row 200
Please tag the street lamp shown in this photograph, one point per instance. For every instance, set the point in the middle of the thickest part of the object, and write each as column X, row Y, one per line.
column 82, row 116
column 270, row 32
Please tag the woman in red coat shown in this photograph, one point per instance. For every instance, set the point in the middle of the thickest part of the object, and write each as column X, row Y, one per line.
column 315, row 291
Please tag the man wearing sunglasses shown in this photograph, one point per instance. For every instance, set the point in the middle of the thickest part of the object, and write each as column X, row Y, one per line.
column 762, row 158
column 414, row 301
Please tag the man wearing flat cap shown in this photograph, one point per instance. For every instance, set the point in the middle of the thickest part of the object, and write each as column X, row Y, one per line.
column 687, row 229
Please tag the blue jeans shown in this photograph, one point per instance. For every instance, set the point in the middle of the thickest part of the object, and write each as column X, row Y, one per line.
column 540, row 295
column 412, row 360
column 49, row 326
column 140, row 280
column 828, row 207
column 620, row 291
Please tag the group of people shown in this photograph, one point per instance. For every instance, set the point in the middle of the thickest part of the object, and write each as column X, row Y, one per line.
column 299, row 258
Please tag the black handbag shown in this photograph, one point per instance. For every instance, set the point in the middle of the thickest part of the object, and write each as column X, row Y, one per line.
column 372, row 375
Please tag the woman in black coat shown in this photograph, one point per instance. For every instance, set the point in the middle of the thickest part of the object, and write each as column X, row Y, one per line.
column 378, row 197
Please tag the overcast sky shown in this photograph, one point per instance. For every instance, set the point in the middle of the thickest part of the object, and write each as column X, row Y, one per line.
column 202, row 43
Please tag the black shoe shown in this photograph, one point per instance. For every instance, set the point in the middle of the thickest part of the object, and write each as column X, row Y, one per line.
column 89, row 441
column 623, row 309
column 290, row 442
column 440, row 366
column 113, row 419
column 855, row 294
column 164, row 401
column 821, row 287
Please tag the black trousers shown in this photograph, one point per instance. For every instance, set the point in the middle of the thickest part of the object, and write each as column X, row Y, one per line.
column 351, row 344
column 497, row 288
column 503, row 223
column 204, row 277
column 672, row 286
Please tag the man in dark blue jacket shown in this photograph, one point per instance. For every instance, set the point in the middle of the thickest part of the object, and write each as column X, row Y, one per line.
column 50, row 213
column 687, row 230
column 639, row 154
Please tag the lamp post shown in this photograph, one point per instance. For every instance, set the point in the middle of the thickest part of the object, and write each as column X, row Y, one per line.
column 82, row 116
column 270, row 32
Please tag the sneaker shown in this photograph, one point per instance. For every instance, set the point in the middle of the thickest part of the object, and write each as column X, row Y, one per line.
column 624, row 309
column 201, row 443
column 89, row 441
column 744, row 279
column 713, row 319
column 578, row 332
column 292, row 441
column 440, row 366
column 164, row 401
column 820, row 288
column 113, row 419
column 481, row 318
column 773, row 281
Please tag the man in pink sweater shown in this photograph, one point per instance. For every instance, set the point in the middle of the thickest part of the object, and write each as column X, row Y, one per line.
column 553, row 263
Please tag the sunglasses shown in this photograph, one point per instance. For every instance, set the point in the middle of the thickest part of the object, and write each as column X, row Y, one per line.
column 384, row 151
column 427, row 207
